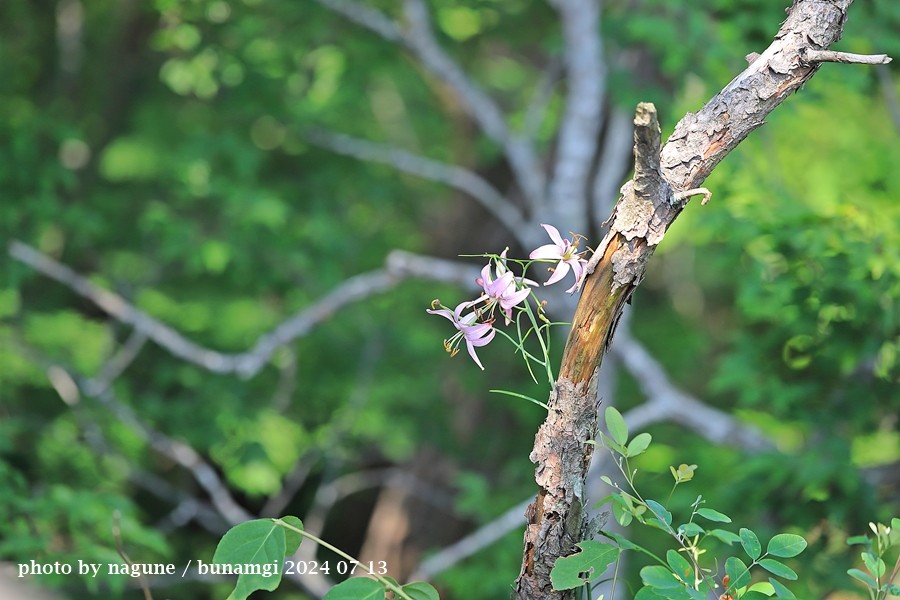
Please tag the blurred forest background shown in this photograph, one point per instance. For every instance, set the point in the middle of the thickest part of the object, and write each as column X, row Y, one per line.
column 230, row 169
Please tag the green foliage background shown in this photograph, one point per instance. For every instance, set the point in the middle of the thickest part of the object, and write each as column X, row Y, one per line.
column 163, row 156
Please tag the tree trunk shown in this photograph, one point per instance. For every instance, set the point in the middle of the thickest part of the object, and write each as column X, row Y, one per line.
column 647, row 206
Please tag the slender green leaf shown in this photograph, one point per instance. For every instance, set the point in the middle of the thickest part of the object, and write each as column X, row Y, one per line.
column 864, row 577
column 615, row 424
column 776, row 568
column 713, row 515
column 781, row 591
column 750, row 543
column 726, row 536
column 786, row 545
column 524, row 397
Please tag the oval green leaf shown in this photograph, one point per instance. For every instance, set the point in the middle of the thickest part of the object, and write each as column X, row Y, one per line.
column 781, row 591
column 258, row 542
column 637, row 446
column 292, row 539
column 420, row 590
column 750, row 543
column 713, row 515
column 658, row 576
column 356, row 588
column 680, row 565
column 776, row 568
column 615, row 424
column 786, row 545
column 738, row 572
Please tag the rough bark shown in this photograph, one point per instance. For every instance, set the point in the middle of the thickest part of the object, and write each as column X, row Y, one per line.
column 647, row 206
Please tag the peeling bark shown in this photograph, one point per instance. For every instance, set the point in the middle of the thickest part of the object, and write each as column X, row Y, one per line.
column 647, row 206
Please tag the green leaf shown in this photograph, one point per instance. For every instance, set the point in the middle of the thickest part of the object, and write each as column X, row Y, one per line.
column 258, row 542
column 754, row 595
column 638, row 445
column 857, row 539
column 680, row 565
column 776, row 568
column 738, row 572
column 763, row 587
column 658, row 576
column 874, row 564
column 726, row 536
column 615, row 424
column 421, row 590
column 659, row 511
column 648, row 593
column 356, row 588
column 750, row 543
column 713, row 515
column 864, row 577
column 690, row 529
column 292, row 539
column 781, row 591
column 786, row 545
column 585, row 566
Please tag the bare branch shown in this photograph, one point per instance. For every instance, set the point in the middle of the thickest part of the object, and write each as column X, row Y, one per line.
column 579, row 132
column 455, row 176
column 811, row 55
column 245, row 364
column 116, row 365
column 479, row 539
column 367, row 17
column 419, row 39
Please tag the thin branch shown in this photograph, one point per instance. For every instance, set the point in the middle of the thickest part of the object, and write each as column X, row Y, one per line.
column 367, row 17
column 811, row 55
column 579, row 131
column 246, row 364
column 536, row 111
column 613, row 163
column 481, row 538
column 453, row 175
column 419, row 39
column 118, row 363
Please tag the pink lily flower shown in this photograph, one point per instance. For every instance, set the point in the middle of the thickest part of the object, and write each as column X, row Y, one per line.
column 475, row 334
column 502, row 290
column 565, row 252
